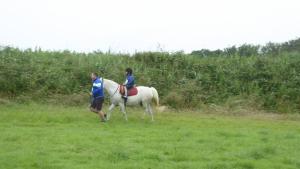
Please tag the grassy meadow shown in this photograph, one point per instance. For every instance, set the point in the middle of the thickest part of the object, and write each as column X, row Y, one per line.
column 52, row 137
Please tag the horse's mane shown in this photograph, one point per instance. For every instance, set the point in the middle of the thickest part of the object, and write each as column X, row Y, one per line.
column 110, row 81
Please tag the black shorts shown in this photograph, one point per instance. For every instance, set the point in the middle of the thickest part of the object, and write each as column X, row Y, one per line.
column 97, row 103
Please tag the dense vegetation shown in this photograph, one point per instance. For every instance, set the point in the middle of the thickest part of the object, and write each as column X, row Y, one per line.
column 266, row 76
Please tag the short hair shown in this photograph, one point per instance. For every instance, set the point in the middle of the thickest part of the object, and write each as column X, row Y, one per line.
column 94, row 73
column 129, row 70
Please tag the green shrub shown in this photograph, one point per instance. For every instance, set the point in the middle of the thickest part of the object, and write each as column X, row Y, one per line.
column 182, row 80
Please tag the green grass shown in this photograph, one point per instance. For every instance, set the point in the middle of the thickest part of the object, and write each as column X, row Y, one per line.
column 41, row 136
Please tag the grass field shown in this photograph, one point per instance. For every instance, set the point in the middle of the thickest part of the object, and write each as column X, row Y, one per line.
column 44, row 137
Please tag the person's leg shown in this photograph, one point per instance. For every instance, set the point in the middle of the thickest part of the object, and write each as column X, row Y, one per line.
column 125, row 95
column 126, row 92
column 93, row 110
column 101, row 114
column 93, row 106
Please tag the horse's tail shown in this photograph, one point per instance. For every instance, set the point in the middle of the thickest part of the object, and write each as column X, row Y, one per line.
column 155, row 96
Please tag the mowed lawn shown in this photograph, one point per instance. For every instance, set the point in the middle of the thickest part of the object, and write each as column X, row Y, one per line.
column 54, row 137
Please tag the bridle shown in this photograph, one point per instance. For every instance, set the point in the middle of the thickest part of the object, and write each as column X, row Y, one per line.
column 115, row 92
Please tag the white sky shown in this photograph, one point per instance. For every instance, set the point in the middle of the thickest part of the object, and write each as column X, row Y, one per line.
column 143, row 25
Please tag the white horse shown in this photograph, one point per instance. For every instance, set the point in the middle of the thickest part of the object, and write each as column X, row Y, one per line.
column 144, row 97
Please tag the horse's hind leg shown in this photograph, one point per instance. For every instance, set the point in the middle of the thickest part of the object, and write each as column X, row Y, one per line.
column 122, row 106
column 146, row 109
column 150, row 111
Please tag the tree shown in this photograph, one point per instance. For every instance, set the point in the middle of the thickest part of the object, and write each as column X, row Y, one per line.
column 248, row 50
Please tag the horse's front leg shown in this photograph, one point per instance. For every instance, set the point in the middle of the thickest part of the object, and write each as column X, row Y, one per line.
column 111, row 107
column 123, row 109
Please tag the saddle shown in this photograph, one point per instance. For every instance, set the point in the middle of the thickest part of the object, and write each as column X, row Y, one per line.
column 131, row 92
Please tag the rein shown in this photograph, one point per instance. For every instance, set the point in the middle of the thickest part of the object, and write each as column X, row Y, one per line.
column 115, row 91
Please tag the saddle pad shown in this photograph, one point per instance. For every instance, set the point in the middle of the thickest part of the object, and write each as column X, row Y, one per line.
column 133, row 91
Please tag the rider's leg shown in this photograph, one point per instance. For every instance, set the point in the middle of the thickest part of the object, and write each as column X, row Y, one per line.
column 126, row 92
column 125, row 95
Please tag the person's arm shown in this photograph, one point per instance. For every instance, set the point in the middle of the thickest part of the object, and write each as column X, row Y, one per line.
column 91, row 93
column 126, row 82
column 129, row 82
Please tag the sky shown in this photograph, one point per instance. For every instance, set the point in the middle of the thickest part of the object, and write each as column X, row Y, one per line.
column 130, row 26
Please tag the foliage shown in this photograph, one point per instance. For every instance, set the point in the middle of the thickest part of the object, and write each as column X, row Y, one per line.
column 270, row 73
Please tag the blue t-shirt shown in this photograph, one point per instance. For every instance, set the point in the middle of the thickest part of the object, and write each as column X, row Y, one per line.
column 130, row 81
column 97, row 88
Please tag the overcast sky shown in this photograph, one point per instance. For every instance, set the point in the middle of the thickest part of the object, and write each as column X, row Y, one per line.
column 143, row 25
